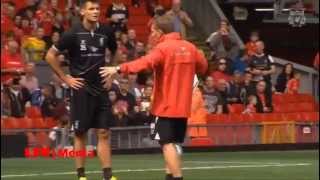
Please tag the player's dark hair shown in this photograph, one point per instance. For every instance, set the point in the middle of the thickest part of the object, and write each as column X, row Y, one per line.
column 84, row 3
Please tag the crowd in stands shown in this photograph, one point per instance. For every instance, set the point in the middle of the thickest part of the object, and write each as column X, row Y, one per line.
column 238, row 76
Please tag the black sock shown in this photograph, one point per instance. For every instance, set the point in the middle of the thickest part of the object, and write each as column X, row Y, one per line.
column 178, row 178
column 169, row 177
column 80, row 172
column 107, row 173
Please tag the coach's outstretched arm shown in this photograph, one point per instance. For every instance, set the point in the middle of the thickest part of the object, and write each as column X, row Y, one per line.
column 148, row 62
column 51, row 58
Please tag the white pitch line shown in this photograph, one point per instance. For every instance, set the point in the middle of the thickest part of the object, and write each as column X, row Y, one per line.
column 229, row 162
column 153, row 170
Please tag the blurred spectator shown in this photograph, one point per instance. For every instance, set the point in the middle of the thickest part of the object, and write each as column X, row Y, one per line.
column 251, row 46
column 142, row 115
column 264, row 105
column 12, row 63
column 61, row 89
column 222, row 89
column 221, row 72
column 131, row 44
column 16, row 98
column 139, row 50
column 134, row 87
column 223, row 43
column 198, row 115
column 8, row 12
column 136, row 3
column 284, row 77
column 34, row 47
column 151, row 6
column 120, row 111
column 251, row 106
column 26, row 27
column 241, row 63
column 125, row 95
column 181, row 18
column 45, row 17
column 262, row 67
column 58, row 23
column 29, row 80
column 118, row 14
column 234, row 90
column 212, row 99
column 54, row 39
column 248, row 87
column 293, row 84
column 316, row 62
column 49, row 101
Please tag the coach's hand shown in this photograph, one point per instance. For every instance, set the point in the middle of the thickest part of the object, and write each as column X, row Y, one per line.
column 106, row 72
column 74, row 83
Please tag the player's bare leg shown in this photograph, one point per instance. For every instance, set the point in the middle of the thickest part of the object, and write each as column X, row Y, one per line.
column 104, row 152
column 168, row 173
column 172, row 159
column 79, row 145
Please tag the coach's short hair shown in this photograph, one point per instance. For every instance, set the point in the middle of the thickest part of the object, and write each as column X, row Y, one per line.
column 165, row 23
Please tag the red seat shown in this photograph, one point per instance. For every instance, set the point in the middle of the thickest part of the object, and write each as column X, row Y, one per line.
column 204, row 141
column 291, row 116
column 236, row 118
column 33, row 112
column 10, row 123
column 50, row 122
column 38, row 123
column 236, row 108
column 310, row 116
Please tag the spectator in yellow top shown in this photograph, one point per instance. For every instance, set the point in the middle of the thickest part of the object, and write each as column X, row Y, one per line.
column 34, row 47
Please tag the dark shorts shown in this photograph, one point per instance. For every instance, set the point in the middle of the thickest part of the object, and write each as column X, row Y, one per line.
column 169, row 130
column 88, row 111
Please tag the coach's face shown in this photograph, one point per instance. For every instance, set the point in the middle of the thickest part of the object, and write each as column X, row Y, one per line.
column 91, row 11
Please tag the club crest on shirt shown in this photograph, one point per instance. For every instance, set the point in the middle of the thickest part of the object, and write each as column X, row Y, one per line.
column 93, row 49
column 101, row 40
column 83, row 45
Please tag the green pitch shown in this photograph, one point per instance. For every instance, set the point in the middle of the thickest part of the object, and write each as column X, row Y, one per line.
column 275, row 165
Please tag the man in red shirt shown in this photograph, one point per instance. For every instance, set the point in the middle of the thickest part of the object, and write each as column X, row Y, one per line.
column 174, row 63
column 11, row 62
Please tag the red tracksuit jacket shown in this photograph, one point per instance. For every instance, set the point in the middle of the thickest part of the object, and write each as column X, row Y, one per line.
column 174, row 63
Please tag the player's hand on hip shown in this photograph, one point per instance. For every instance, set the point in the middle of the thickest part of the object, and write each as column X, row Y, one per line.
column 74, row 83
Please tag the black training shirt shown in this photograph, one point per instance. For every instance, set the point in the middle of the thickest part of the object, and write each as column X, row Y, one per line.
column 262, row 63
column 87, row 53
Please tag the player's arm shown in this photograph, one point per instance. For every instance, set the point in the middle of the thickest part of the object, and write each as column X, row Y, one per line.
column 65, row 43
column 51, row 58
column 148, row 62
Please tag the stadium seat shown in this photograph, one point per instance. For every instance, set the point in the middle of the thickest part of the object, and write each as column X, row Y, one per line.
column 10, row 123
column 204, row 141
column 38, row 123
column 309, row 116
column 291, row 116
column 236, row 118
column 50, row 122
column 236, row 108
column 33, row 112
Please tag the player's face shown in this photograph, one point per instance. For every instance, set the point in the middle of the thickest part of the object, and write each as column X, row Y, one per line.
column 91, row 12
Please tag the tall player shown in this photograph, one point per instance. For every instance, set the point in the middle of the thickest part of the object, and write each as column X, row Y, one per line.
column 87, row 44
column 174, row 63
